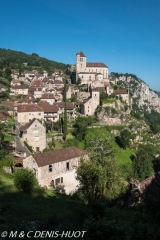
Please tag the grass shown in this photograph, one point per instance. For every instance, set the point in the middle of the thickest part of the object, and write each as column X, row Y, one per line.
column 8, row 138
column 109, row 101
column 58, row 145
column 45, row 206
column 123, row 155
column 81, row 145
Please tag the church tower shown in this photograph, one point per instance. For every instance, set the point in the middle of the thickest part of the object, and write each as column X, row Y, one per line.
column 80, row 63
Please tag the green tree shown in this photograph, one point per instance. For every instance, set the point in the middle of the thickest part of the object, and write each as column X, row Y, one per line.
column 124, row 139
column 142, row 162
column 71, row 142
column 24, row 180
column 100, row 177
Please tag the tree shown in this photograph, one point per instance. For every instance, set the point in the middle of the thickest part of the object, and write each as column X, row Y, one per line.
column 81, row 125
column 100, row 177
column 71, row 142
column 124, row 138
column 78, row 81
column 24, row 180
column 65, row 115
column 142, row 162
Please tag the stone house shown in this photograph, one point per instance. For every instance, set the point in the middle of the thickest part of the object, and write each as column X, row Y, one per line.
column 89, row 105
column 56, row 168
column 48, row 97
column 34, row 133
column 19, row 90
column 51, row 112
column 122, row 94
column 26, row 112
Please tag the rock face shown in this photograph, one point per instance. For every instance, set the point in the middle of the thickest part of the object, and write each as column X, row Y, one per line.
column 142, row 95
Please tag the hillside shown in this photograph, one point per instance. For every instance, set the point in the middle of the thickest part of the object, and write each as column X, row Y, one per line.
column 22, row 61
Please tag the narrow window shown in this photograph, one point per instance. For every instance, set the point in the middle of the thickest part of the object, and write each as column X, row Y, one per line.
column 50, row 168
column 61, row 179
column 67, row 166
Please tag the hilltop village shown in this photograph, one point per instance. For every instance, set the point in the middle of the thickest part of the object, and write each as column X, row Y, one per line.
column 39, row 100
column 78, row 140
column 46, row 108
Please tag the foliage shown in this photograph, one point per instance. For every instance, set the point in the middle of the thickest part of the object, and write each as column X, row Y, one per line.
column 24, row 180
column 65, row 123
column 123, row 140
column 100, row 177
column 81, row 125
column 28, row 146
column 142, row 163
column 52, row 144
column 73, row 98
column 70, row 142
column 15, row 60
column 78, row 81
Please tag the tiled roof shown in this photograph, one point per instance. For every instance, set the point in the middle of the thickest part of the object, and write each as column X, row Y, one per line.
column 88, row 73
column 47, row 108
column 37, row 83
column 48, row 96
column 91, row 64
column 4, row 114
column 60, row 155
column 27, row 125
column 81, row 54
column 20, row 87
column 69, row 106
column 7, row 103
column 118, row 92
column 33, row 89
column 29, row 108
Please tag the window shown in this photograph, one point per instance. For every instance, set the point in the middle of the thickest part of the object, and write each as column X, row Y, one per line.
column 29, row 113
column 39, row 113
column 35, row 125
column 95, row 94
column 61, row 179
column 57, row 181
column 67, row 166
column 36, row 138
column 37, row 149
column 50, row 168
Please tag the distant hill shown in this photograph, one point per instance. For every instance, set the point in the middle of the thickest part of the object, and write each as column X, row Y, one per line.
column 22, row 61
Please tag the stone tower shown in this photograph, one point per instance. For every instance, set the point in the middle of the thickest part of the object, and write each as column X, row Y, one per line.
column 80, row 63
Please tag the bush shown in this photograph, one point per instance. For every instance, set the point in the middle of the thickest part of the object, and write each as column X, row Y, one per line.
column 24, row 180
column 28, row 146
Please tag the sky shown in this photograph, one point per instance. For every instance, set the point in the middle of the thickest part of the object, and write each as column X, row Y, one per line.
column 123, row 34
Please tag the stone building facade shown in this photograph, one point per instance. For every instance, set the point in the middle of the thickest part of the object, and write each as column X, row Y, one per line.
column 56, row 168
column 89, row 70
column 34, row 133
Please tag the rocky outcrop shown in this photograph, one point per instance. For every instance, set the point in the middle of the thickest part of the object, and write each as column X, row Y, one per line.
column 142, row 95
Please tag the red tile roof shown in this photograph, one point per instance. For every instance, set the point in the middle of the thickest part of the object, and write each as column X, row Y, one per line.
column 81, row 54
column 91, row 64
column 4, row 114
column 47, row 108
column 48, row 96
column 60, row 155
column 27, row 125
column 29, row 108
column 69, row 106
column 118, row 92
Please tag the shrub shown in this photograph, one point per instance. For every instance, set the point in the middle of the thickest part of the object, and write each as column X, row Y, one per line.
column 24, row 180
column 28, row 146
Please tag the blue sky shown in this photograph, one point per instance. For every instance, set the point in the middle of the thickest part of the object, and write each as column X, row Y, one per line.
column 124, row 34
